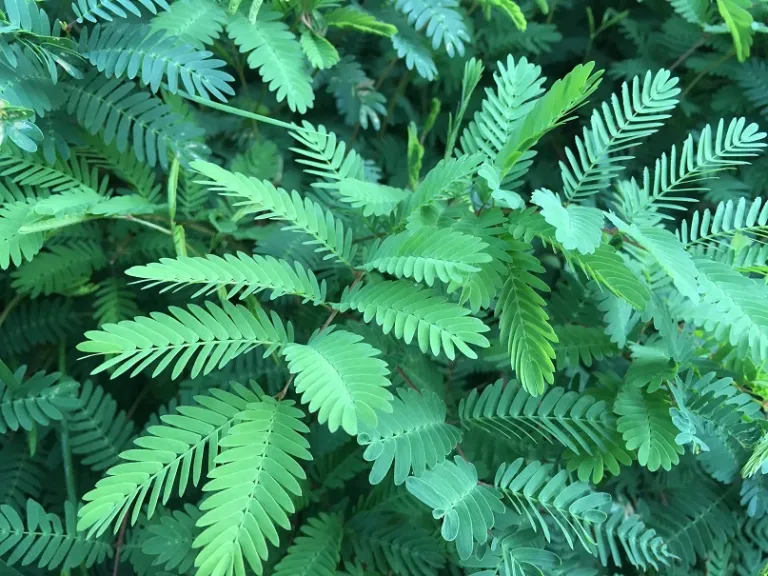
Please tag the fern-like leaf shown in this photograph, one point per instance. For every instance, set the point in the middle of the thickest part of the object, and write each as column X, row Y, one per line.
column 263, row 199
column 708, row 229
column 518, row 84
column 197, row 23
column 321, row 54
column 427, row 254
column 552, row 109
column 394, row 546
column 274, row 51
column 524, row 323
column 520, row 552
column 647, row 427
column 352, row 17
column 581, row 344
column 409, row 311
column 572, row 506
column 124, row 115
column 315, row 552
column 22, row 475
column 442, row 182
column 443, row 22
column 98, row 430
column 36, row 322
column 212, row 335
column 341, row 379
column 91, row 10
column 131, row 50
column 40, row 400
column 576, row 227
column 579, row 423
column 615, row 128
column 641, row 545
column 43, row 538
column 667, row 251
column 413, row 437
column 240, row 275
column 605, row 266
column 60, row 269
column 374, row 199
column 165, row 455
column 725, row 147
column 15, row 246
column 113, row 302
column 732, row 305
column 326, row 156
column 169, row 539
column 250, row 488
column 468, row 510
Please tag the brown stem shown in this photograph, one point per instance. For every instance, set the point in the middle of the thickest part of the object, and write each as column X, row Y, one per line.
column 407, row 380
column 11, row 305
column 119, row 544
column 399, row 91
column 689, row 52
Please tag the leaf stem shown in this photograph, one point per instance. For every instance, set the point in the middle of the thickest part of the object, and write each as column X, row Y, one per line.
column 244, row 113
column 148, row 224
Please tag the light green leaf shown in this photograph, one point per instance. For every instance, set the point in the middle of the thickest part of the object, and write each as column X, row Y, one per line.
column 577, row 227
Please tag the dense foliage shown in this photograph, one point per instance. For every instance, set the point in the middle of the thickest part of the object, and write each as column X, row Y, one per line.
column 412, row 288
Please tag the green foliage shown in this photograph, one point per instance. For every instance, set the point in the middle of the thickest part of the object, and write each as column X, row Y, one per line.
column 42, row 538
column 184, row 437
column 410, row 311
column 275, row 52
column 243, row 275
column 524, row 323
column 408, row 288
column 316, row 552
column 468, row 510
column 38, row 400
column 250, row 490
column 413, row 437
column 121, row 50
column 341, row 379
column 573, row 507
column 212, row 336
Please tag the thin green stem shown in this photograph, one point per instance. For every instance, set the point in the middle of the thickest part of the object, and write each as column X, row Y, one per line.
column 69, row 469
column 148, row 224
column 243, row 113
column 66, row 447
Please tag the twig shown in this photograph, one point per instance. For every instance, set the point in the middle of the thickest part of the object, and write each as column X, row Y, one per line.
column 407, row 380
column 688, row 52
column 280, row 395
column 119, row 544
column 399, row 91
column 704, row 72
column 11, row 305
column 385, row 73
column 137, row 401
